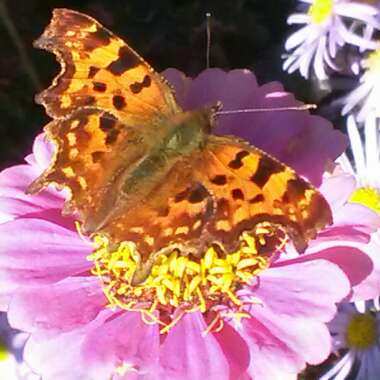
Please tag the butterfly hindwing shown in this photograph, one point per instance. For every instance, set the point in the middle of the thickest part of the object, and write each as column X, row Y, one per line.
column 213, row 196
column 250, row 188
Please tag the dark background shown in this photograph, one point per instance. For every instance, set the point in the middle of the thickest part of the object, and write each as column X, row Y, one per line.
column 167, row 33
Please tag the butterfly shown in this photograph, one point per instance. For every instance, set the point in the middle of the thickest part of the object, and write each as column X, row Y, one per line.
column 142, row 170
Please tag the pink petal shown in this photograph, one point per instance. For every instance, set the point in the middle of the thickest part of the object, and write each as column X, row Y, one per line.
column 355, row 264
column 37, row 252
column 122, row 338
column 355, row 214
column 235, row 350
column 187, row 355
column 288, row 326
column 291, row 288
column 369, row 288
column 337, row 189
column 271, row 358
column 59, row 356
column 15, row 202
column 42, row 151
column 61, row 306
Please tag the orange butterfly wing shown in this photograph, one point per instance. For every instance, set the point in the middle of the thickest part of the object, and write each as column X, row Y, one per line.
column 100, row 70
column 212, row 197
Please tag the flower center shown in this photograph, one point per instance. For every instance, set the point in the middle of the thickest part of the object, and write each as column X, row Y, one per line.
column 367, row 196
column 361, row 331
column 177, row 284
column 372, row 62
column 321, row 10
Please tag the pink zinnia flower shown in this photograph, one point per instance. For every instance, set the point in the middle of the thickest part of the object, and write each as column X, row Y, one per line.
column 49, row 290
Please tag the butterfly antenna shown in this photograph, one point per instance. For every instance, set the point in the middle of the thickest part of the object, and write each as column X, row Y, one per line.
column 304, row 107
column 208, row 39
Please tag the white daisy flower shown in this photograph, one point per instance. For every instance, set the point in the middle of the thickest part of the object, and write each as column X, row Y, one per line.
column 355, row 330
column 366, row 160
column 365, row 98
column 325, row 31
column 12, row 367
column 356, row 334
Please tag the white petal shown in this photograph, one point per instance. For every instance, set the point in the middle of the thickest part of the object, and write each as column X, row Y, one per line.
column 318, row 60
column 357, row 11
column 298, row 18
column 356, row 96
column 356, row 40
column 297, row 37
column 345, row 164
column 371, row 144
column 370, row 104
column 348, row 358
column 356, row 145
column 346, row 368
column 305, row 60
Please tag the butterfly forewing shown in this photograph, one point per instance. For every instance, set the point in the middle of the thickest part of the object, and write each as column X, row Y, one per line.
column 100, row 70
column 93, row 149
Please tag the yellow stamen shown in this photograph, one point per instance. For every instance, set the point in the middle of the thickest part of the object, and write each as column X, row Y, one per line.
column 367, row 196
column 214, row 325
column 361, row 331
column 176, row 282
column 321, row 10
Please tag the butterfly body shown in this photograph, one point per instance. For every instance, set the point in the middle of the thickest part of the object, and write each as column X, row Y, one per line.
column 141, row 170
column 176, row 139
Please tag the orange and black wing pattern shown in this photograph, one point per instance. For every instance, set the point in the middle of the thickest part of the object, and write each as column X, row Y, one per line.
column 100, row 70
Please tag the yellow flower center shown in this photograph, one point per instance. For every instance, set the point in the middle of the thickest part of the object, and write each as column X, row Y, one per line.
column 367, row 196
column 361, row 331
column 4, row 354
column 321, row 10
column 178, row 284
column 372, row 62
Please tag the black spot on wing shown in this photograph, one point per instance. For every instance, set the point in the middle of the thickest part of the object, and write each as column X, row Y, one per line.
column 237, row 194
column 99, row 38
column 92, row 71
column 237, row 162
column 219, row 179
column 195, row 194
column 107, row 122
column 112, row 136
column 265, row 169
column 99, row 86
column 125, row 61
column 118, row 101
column 198, row 194
column 257, row 198
column 137, row 87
